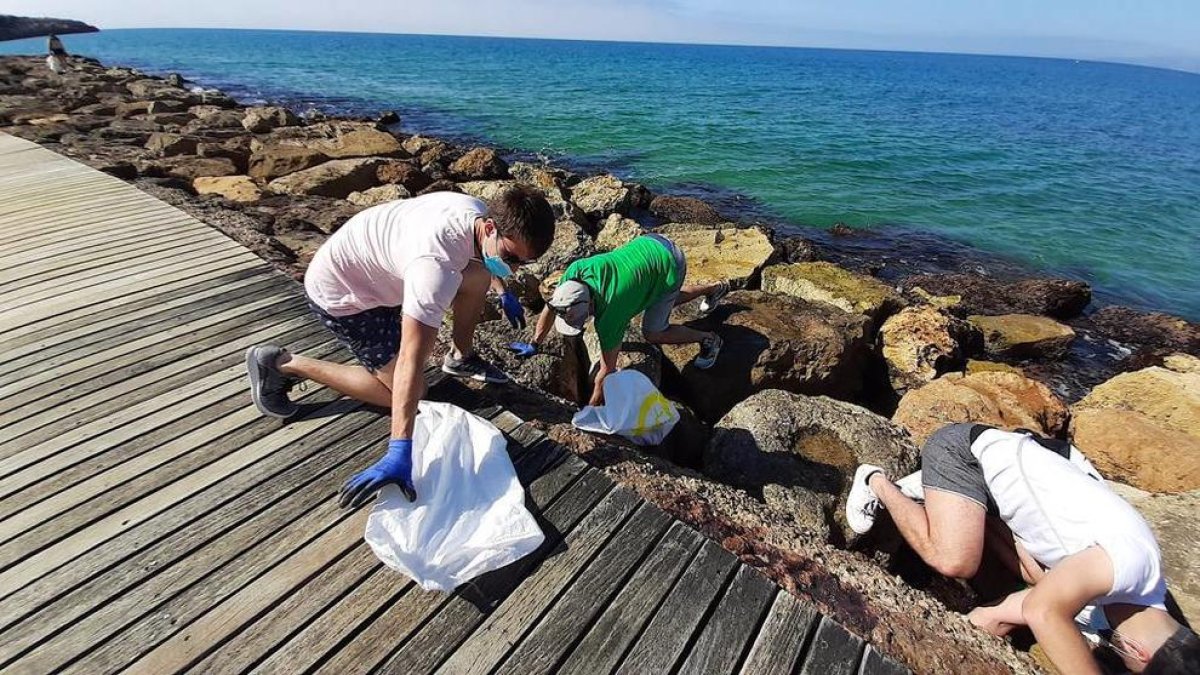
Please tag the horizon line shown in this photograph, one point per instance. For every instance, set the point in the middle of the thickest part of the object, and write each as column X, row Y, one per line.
column 1195, row 70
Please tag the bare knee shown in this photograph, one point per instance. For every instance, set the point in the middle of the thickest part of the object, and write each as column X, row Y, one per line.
column 955, row 566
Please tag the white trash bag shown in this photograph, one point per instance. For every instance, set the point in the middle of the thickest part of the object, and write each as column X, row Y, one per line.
column 470, row 514
column 633, row 408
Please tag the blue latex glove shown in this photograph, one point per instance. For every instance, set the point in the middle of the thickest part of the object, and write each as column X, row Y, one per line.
column 513, row 309
column 523, row 350
column 394, row 467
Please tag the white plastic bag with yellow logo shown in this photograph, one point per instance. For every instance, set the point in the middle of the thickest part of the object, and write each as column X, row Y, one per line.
column 632, row 408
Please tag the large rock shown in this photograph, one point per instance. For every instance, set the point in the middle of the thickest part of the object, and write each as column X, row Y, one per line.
column 236, row 150
column 601, row 195
column 170, row 145
column 724, row 254
column 1023, row 336
column 215, row 121
column 269, row 162
column 1057, row 298
column 261, row 119
column 636, row 353
column 1130, row 447
column 617, row 231
column 335, row 178
column 378, row 195
column 827, row 283
column 1005, row 400
column 401, row 172
column 1173, row 519
column 1143, row 428
column 684, row 210
column 921, row 343
column 570, row 243
column 342, row 140
column 772, row 342
column 559, row 368
column 288, row 213
column 188, row 167
column 479, row 164
column 805, row 449
column 233, row 188
column 538, row 175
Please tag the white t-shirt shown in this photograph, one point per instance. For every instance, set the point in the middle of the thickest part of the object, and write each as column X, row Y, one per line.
column 1057, row 508
column 408, row 253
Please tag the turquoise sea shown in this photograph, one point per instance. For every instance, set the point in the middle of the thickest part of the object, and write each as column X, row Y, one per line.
column 1089, row 170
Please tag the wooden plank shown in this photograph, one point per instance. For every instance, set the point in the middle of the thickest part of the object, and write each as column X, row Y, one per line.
column 235, row 467
column 670, row 631
column 780, row 642
column 38, row 428
column 587, row 595
column 875, row 663
column 129, row 321
column 505, row 626
column 123, row 457
column 54, row 518
column 65, row 254
column 38, row 383
column 103, row 596
column 53, row 263
column 130, row 405
column 336, row 625
column 622, row 621
column 391, row 629
column 729, row 632
column 834, row 651
column 69, row 318
column 186, row 646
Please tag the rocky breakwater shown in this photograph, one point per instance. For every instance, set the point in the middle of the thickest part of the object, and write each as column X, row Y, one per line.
column 823, row 367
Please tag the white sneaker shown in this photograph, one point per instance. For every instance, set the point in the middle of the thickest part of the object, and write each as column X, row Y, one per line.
column 862, row 505
column 912, row 487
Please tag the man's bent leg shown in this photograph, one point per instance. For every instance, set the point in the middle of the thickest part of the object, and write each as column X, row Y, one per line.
column 948, row 532
column 354, row 381
column 468, row 308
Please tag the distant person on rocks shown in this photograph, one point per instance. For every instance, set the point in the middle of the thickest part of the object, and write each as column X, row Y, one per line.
column 1042, row 507
column 645, row 275
column 57, row 58
column 382, row 284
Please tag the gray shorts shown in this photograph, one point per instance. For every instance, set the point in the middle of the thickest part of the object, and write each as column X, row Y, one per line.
column 658, row 317
column 947, row 464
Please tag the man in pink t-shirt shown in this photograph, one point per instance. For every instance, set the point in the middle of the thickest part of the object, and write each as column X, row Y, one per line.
column 382, row 284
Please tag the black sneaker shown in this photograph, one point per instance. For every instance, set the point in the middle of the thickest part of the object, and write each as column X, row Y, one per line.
column 268, row 386
column 473, row 367
column 709, row 349
column 710, row 301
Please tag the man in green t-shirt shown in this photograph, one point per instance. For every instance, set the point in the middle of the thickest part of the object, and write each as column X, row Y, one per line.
column 645, row 275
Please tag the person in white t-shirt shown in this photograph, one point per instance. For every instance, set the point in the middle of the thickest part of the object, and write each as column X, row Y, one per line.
column 382, row 283
column 1070, row 536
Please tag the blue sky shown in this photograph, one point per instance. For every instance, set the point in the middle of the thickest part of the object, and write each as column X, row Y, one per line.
column 1157, row 32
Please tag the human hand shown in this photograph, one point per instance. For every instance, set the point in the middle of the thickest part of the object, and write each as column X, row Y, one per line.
column 393, row 468
column 523, row 350
column 513, row 309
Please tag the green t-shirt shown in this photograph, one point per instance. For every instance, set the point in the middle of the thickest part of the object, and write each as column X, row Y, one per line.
column 625, row 282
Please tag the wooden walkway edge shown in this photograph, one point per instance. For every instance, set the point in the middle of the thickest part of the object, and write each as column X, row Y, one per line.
column 152, row 522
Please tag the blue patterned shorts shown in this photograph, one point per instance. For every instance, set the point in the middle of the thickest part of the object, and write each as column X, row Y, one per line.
column 372, row 336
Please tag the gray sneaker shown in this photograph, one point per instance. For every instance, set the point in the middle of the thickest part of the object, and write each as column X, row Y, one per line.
column 710, row 301
column 473, row 367
column 710, row 348
column 268, row 386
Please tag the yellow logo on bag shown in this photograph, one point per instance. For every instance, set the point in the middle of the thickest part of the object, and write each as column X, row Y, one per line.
column 656, row 405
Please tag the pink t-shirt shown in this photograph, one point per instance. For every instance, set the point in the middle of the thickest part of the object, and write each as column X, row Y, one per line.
column 408, row 253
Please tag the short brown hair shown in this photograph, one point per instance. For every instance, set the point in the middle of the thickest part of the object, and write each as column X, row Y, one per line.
column 522, row 212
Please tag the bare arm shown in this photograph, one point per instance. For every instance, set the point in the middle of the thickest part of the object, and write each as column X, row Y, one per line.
column 544, row 323
column 497, row 285
column 408, row 382
column 608, row 365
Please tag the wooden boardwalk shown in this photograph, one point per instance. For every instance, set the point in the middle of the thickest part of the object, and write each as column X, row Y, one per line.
column 151, row 521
